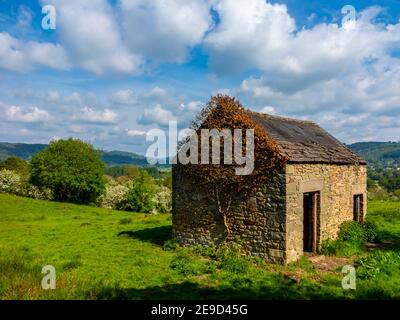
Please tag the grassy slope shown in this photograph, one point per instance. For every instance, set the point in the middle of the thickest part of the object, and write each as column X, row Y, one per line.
column 100, row 254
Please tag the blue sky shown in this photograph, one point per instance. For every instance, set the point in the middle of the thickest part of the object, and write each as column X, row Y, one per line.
column 112, row 70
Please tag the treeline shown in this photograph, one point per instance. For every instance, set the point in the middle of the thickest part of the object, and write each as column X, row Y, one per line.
column 383, row 167
column 73, row 171
column 384, row 183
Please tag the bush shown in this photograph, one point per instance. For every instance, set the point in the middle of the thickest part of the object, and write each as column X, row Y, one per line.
column 10, row 182
column 378, row 193
column 378, row 263
column 351, row 231
column 72, row 169
column 141, row 197
column 163, row 198
column 31, row 191
column 115, row 197
column 371, row 232
column 231, row 258
column 17, row 165
column 351, row 239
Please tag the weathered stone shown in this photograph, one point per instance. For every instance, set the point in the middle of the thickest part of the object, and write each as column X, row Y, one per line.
column 270, row 223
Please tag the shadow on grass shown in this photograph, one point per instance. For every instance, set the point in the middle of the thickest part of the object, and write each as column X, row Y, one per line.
column 157, row 235
column 186, row 290
column 189, row 290
column 392, row 238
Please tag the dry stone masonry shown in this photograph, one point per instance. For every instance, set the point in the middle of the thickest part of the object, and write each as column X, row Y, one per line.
column 300, row 207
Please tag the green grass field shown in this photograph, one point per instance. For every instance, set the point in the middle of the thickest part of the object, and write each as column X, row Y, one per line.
column 104, row 254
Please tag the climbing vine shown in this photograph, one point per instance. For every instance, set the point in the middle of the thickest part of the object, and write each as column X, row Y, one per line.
column 219, row 181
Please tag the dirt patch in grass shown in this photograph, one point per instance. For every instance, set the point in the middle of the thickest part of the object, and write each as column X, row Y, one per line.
column 328, row 263
column 370, row 246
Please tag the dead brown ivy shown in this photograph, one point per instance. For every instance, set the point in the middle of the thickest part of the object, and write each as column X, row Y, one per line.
column 219, row 181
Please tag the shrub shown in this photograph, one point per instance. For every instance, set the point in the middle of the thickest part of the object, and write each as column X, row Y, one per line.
column 17, row 165
column 31, row 191
column 351, row 238
column 115, row 197
column 351, row 231
column 163, row 198
column 378, row 263
column 230, row 258
column 371, row 232
column 141, row 197
column 72, row 169
column 10, row 182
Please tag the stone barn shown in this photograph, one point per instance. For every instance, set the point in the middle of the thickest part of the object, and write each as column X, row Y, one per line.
column 321, row 185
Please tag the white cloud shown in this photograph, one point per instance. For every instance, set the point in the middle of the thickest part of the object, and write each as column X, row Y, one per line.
column 157, row 115
column 90, row 34
column 31, row 115
column 135, row 133
column 18, row 55
column 53, row 97
column 249, row 33
column 268, row 110
column 257, row 34
column 123, row 97
column 164, row 30
column 87, row 114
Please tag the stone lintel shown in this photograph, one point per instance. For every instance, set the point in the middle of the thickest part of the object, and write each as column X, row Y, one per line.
column 358, row 189
column 311, row 186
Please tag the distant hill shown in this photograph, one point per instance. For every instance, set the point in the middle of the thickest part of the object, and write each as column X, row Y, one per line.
column 376, row 153
column 384, row 153
column 22, row 150
column 111, row 158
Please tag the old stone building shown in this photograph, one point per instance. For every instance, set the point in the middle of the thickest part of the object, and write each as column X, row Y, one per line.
column 322, row 184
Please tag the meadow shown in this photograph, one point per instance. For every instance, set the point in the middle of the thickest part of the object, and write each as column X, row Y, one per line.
column 105, row 254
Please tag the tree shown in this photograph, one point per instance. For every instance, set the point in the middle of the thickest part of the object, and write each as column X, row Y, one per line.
column 219, row 181
column 17, row 165
column 141, row 197
column 72, row 169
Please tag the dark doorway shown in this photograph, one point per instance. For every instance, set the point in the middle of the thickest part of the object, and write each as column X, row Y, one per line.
column 358, row 208
column 311, row 209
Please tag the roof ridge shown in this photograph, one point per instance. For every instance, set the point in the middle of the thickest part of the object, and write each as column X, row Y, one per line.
column 267, row 115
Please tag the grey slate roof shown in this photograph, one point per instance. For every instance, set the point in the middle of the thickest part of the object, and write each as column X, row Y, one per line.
column 304, row 141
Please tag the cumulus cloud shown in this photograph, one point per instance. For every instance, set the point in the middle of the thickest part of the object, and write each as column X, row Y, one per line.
column 157, row 115
column 164, row 30
column 257, row 34
column 135, row 133
column 53, row 97
column 123, row 97
column 161, row 106
column 30, row 115
column 268, row 110
column 90, row 115
column 90, row 34
column 21, row 56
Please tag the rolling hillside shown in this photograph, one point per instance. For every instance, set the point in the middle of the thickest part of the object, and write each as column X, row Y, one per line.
column 111, row 158
column 386, row 154
column 379, row 153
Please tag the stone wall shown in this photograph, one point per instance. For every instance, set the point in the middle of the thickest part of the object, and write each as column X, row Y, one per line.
column 337, row 185
column 270, row 224
column 258, row 222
